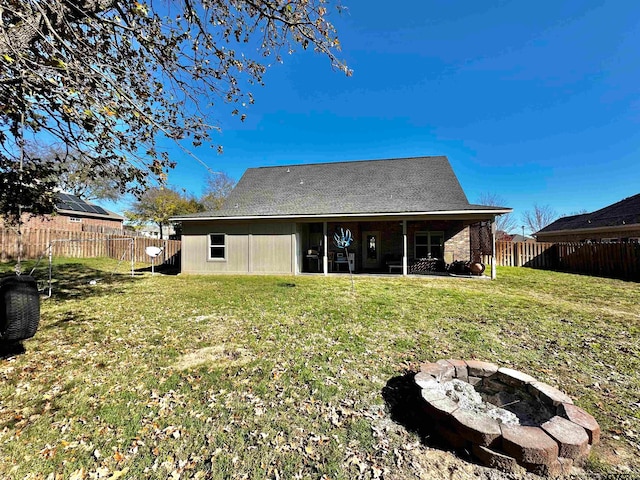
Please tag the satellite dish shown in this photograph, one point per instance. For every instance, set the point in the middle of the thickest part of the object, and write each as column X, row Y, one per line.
column 152, row 251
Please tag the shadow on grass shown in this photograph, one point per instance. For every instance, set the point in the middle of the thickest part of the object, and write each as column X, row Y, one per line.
column 164, row 269
column 77, row 281
column 405, row 405
column 11, row 349
column 67, row 321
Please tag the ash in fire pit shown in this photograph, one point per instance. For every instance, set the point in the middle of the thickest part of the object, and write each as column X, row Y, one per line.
column 506, row 418
column 470, row 400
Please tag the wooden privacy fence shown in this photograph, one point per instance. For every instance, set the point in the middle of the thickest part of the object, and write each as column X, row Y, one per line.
column 618, row 260
column 35, row 243
column 170, row 250
column 524, row 254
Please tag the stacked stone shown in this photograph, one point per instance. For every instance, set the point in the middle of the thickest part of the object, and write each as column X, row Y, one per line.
column 550, row 448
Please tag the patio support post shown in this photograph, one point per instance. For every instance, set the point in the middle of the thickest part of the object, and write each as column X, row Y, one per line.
column 404, row 248
column 493, row 249
column 325, row 257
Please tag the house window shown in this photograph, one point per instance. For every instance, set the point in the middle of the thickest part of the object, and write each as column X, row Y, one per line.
column 75, row 220
column 429, row 244
column 217, row 246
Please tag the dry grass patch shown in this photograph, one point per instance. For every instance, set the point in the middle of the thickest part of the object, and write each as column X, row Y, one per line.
column 219, row 356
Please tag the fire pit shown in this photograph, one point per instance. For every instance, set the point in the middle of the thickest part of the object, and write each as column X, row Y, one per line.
column 505, row 418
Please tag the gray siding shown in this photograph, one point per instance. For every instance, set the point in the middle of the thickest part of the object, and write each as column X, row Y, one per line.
column 250, row 247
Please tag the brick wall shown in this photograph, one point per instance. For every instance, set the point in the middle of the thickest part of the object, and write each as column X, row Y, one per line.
column 457, row 244
column 64, row 222
column 456, row 237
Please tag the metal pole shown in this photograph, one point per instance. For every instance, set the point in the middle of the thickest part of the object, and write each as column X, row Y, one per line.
column 405, row 268
column 50, row 268
column 325, row 258
column 18, row 267
column 493, row 250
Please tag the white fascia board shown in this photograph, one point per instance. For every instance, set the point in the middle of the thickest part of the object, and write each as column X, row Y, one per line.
column 347, row 215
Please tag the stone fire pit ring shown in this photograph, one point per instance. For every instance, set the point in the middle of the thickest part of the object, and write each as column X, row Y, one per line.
column 518, row 423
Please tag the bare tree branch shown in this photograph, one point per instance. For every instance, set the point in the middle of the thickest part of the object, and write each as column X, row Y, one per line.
column 505, row 223
column 109, row 78
column 538, row 218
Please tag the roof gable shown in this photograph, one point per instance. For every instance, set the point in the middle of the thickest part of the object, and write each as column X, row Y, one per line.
column 417, row 184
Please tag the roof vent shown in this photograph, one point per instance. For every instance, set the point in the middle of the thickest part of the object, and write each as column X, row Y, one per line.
column 235, row 206
column 288, row 170
column 301, row 182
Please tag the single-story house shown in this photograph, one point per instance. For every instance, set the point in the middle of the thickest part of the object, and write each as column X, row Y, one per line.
column 283, row 220
column 72, row 213
column 153, row 231
column 619, row 222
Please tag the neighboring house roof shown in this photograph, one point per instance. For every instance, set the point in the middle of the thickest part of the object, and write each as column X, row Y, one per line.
column 519, row 238
column 420, row 185
column 69, row 204
column 619, row 215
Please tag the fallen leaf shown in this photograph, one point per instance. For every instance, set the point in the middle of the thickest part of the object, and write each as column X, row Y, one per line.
column 119, row 474
column 78, row 474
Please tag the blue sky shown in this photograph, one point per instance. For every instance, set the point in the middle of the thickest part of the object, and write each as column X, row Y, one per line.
column 537, row 102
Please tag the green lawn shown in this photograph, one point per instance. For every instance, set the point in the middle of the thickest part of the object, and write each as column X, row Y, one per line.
column 283, row 377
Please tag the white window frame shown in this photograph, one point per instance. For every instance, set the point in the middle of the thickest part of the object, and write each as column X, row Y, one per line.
column 429, row 243
column 216, row 245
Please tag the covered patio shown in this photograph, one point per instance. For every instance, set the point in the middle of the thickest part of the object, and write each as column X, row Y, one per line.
column 395, row 246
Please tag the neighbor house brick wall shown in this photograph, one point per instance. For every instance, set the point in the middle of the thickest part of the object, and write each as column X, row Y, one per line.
column 63, row 222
